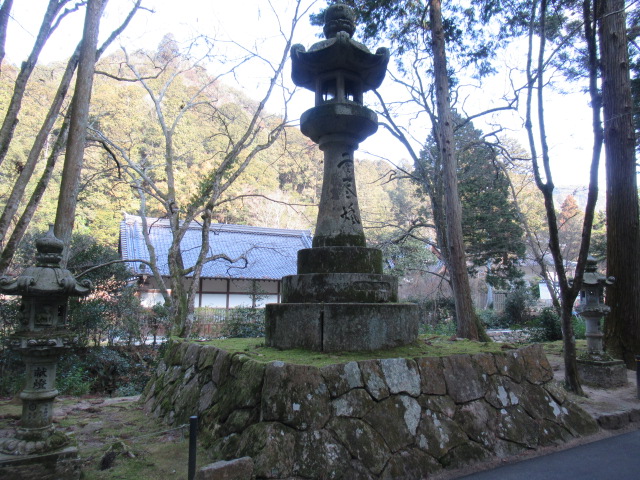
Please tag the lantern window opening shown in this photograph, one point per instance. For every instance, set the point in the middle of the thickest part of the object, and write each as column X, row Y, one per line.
column 353, row 89
column 339, row 86
column 328, row 90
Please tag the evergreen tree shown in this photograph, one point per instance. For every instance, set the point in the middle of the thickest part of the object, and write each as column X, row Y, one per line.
column 492, row 233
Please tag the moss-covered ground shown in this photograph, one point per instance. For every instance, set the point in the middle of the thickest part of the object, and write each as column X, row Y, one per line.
column 425, row 346
column 116, row 439
column 556, row 348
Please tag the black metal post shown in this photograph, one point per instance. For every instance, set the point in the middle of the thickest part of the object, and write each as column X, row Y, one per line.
column 193, row 434
column 638, row 374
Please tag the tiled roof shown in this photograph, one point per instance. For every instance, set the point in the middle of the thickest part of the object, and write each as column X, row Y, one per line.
column 271, row 252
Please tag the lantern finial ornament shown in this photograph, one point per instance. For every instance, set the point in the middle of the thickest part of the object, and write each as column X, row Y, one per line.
column 49, row 249
column 339, row 18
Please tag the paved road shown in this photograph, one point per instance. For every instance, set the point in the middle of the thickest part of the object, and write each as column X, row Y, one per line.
column 614, row 458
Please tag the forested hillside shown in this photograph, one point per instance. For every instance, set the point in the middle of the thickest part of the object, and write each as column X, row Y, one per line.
column 278, row 189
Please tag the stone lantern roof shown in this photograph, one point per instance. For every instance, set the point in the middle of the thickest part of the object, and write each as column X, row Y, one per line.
column 338, row 52
column 47, row 277
column 591, row 275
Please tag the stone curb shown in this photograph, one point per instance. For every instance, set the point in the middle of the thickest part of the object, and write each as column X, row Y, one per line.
column 618, row 420
column 237, row 469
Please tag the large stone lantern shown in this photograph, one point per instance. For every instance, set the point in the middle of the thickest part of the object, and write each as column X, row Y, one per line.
column 340, row 299
column 42, row 335
column 597, row 368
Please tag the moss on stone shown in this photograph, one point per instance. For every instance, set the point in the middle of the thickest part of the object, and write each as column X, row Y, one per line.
column 425, row 346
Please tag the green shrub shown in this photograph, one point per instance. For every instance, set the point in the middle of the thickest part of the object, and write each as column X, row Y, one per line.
column 123, row 371
column 73, row 378
column 444, row 327
column 546, row 326
column 244, row 323
column 579, row 327
column 490, row 318
column 13, row 373
column 517, row 309
column 127, row 390
column 435, row 311
column 11, row 365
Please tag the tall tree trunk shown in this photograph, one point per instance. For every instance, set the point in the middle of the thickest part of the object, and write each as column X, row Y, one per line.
column 19, row 187
column 25, row 219
column 4, row 20
column 11, row 118
column 568, row 290
column 467, row 319
column 9, row 212
column 622, row 325
column 74, row 157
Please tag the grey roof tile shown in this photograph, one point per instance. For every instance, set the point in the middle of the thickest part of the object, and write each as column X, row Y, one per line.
column 271, row 253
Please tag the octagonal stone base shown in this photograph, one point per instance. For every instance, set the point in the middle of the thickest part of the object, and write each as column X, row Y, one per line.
column 340, row 260
column 339, row 327
column 603, row 374
column 339, row 288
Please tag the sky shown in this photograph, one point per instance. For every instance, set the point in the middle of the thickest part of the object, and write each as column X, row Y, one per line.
column 252, row 23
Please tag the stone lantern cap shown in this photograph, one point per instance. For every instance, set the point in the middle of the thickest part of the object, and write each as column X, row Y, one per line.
column 338, row 52
column 591, row 275
column 47, row 277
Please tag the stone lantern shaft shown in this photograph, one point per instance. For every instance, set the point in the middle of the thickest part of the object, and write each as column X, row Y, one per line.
column 339, row 222
column 339, row 70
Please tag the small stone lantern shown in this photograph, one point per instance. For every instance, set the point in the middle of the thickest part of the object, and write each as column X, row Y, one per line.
column 41, row 337
column 597, row 368
column 592, row 307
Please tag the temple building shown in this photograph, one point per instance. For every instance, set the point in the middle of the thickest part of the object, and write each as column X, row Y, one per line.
column 270, row 254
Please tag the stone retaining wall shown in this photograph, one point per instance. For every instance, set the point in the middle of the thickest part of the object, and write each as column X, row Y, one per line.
column 388, row 419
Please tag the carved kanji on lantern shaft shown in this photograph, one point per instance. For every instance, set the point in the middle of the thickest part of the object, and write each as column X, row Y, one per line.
column 340, row 299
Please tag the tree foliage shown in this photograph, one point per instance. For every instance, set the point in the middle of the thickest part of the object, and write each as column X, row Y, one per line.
column 492, row 232
column 194, row 127
column 36, row 140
